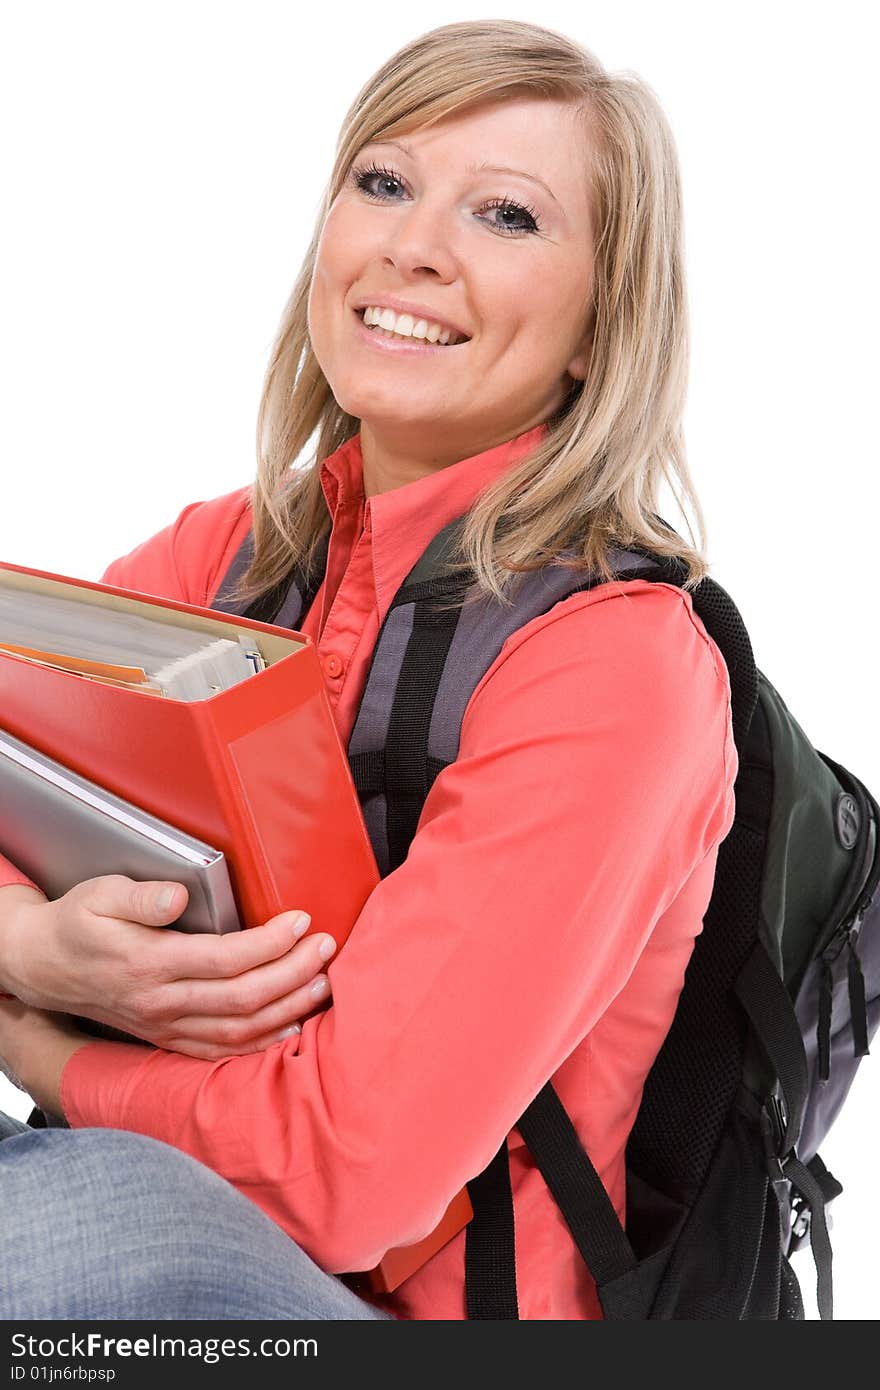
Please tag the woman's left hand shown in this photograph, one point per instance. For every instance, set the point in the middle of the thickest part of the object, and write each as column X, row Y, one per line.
column 35, row 1047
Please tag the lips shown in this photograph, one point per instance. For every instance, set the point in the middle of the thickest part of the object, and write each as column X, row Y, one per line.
column 380, row 341
column 418, row 311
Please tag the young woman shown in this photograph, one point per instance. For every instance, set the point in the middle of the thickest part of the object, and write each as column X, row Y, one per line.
column 490, row 324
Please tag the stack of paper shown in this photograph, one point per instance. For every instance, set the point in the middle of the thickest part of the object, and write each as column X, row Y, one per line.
column 122, row 648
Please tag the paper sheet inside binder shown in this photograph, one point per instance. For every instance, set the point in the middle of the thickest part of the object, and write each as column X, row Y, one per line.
column 186, row 656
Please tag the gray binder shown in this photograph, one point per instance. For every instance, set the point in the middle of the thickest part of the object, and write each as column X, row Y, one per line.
column 59, row 829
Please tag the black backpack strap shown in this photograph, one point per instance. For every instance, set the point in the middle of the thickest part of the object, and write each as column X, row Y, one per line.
column 309, row 586
column 770, row 1012
column 768, row 1006
column 490, row 1273
column 577, row 1188
column 287, row 603
column 831, row 1188
column 804, row 1182
column 489, row 1248
column 408, row 776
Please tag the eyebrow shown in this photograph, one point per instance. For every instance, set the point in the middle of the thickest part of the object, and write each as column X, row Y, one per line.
column 481, row 168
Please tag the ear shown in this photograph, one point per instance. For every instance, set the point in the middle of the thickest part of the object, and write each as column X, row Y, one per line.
column 580, row 363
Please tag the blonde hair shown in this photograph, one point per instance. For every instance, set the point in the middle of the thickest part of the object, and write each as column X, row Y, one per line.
column 593, row 481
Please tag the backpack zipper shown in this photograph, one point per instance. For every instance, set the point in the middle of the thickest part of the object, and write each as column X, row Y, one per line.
column 869, row 815
column 846, row 936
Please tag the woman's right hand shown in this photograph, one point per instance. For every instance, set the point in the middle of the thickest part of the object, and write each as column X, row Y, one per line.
column 103, row 951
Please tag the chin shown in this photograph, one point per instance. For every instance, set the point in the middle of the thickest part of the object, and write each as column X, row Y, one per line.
column 393, row 424
column 392, row 414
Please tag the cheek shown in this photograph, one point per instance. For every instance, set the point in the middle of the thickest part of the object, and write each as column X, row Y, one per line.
column 529, row 309
column 320, row 323
column 344, row 242
column 343, row 250
column 556, row 328
column 539, row 334
column 329, row 284
column 316, row 311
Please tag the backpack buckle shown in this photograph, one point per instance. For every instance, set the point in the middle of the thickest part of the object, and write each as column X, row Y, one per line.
column 801, row 1218
column 774, row 1120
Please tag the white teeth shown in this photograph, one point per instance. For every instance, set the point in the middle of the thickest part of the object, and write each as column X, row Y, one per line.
column 406, row 326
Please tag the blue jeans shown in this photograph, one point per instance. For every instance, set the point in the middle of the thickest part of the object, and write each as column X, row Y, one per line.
column 101, row 1223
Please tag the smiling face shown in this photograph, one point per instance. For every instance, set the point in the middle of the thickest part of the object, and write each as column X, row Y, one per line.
column 503, row 258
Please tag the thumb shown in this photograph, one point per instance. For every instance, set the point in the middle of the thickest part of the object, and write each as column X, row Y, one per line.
column 166, row 900
column 153, row 903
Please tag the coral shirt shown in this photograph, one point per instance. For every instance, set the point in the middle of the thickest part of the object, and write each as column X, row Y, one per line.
column 539, row 927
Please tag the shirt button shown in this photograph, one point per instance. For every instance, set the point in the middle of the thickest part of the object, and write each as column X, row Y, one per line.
column 333, row 665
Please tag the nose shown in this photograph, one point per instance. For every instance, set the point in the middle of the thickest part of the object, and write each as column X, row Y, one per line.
column 420, row 241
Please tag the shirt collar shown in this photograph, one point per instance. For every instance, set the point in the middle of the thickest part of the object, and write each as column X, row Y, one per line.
column 404, row 520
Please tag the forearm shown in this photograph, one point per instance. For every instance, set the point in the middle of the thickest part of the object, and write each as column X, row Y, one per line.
column 13, row 897
column 32, row 1044
column 36, row 1047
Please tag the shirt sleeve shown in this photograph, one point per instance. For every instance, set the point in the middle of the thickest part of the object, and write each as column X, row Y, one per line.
column 595, row 772
column 184, row 562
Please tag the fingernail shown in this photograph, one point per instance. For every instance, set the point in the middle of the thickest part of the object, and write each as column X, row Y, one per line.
column 301, row 924
column 289, row 1032
column 327, row 948
column 320, row 985
column 164, row 899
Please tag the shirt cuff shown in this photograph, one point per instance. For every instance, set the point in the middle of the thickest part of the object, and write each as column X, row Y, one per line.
column 9, row 875
column 97, row 1081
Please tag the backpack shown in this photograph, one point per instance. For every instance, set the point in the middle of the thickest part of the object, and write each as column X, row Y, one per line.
column 780, row 998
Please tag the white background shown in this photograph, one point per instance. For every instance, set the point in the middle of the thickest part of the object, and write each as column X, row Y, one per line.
column 162, row 166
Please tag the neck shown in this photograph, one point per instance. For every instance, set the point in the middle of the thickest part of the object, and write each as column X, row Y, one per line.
column 389, row 463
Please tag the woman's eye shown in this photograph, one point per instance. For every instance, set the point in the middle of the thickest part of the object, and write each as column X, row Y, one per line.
column 510, row 209
column 365, row 178
column 512, row 219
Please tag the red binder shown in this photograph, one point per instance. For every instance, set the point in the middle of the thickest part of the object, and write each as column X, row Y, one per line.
column 258, row 771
